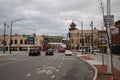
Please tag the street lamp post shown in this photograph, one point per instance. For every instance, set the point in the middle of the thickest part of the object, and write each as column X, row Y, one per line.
column 4, row 34
column 4, row 42
column 102, row 8
column 10, row 35
column 34, row 35
column 109, row 66
column 91, row 37
column 82, row 36
column 11, row 31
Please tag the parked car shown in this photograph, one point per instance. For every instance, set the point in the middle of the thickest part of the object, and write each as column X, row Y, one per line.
column 68, row 53
column 50, row 52
column 96, row 50
column 34, row 52
column 61, row 50
column 81, row 50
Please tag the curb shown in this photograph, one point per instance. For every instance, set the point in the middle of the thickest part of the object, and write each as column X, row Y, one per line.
column 1, row 54
column 95, row 69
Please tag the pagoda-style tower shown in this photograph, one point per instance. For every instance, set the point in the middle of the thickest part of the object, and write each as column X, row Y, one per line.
column 72, row 26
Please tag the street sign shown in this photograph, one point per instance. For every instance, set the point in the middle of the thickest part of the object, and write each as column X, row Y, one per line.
column 30, row 40
column 109, row 20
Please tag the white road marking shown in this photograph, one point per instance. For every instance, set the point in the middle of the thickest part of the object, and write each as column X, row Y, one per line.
column 49, row 72
column 54, row 58
column 57, row 70
column 50, row 57
column 15, row 61
column 41, row 71
column 38, row 69
column 50, row 67
column 53, row 76
column 28, row 75
column 9, row 59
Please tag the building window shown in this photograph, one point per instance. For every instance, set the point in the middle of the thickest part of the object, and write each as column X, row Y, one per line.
column 86, row 40
column 72, row 41
column 119, row 30
column 15, row 41
column 21, row 41
column 80, row 40
column 25, row 41
column 11, row 41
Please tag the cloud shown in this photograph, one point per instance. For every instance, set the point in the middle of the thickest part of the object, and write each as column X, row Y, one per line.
column 48, row 16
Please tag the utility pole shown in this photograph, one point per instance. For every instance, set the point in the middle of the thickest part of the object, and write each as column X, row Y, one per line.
column 12, row 22
column 109, row 66
column 102, row 8
column 4, row 42
column 10, row 36
column 82, row 36
column 91, row 36
column 34, row 35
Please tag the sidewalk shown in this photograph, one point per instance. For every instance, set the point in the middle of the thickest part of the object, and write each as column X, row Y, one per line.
column 8, row 53
column 3, row 54
column 96, row 60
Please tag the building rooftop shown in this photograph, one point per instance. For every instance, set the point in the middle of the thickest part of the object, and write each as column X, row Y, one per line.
column 56, row 37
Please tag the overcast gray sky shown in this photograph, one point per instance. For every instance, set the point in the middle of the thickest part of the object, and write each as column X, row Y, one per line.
column 48, row 16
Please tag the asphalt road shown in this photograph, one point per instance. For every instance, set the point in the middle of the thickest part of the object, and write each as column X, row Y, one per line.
column 57, row 67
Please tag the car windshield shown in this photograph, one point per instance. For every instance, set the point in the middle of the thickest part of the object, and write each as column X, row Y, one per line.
column 32, row 49
column 50, row 49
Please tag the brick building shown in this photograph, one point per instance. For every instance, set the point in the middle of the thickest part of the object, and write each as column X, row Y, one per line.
column 115, row 34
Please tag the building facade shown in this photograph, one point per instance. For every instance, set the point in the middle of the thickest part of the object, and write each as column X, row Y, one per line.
column 102, row 34
column 115, row 34
column 53, row 42
column 20, row 42
column 83, row 38
column 86, row 39
column 115, row 38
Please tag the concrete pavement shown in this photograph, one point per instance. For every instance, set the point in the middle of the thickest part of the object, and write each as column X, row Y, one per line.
column 56, row 67
column 94, row 59
column 3, row 54
column 12, row 53
column 97, row 60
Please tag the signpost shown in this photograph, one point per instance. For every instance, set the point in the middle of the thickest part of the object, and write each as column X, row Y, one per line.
column 109, row 19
